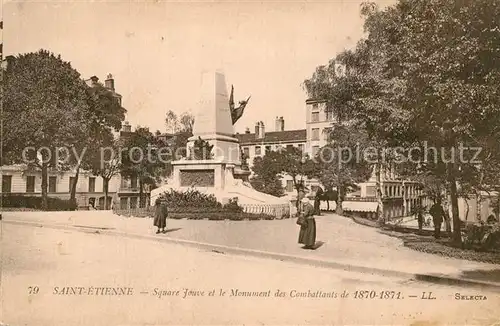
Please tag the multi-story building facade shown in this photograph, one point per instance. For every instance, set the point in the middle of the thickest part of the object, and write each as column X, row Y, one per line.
column 319, row 122
column 400, row 197
column 24, row 180
column 260, row 142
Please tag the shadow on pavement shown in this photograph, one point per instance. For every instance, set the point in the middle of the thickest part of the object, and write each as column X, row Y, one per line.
column 172, row 230
column 492, row 275
column 317, row 245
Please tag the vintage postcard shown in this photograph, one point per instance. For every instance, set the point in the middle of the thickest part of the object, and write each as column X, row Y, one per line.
column 250, row 163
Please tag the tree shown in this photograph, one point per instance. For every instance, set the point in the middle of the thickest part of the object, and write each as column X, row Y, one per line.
column 183, row 130
column 290, row 161
column 143, row 158
column 105, row 161
column 266, row 177
column 44, row 105
column 428, row 71
column 171, row 122
column 187, row 123
column 104, row 114
column 338, row 165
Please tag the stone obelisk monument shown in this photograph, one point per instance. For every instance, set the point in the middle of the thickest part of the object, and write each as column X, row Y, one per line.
column 220, row 174
column 213, row 119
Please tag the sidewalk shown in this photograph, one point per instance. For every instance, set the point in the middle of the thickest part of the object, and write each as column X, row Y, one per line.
column 344, row 243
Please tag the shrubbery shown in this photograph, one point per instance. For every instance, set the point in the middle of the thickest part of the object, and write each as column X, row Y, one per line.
column 33, row 202
column 481, row 235
column 194, row 205
column 190, row 198
column 193, row 201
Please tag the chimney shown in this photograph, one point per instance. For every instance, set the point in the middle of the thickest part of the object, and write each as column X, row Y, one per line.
column 109, row 83
column 262, row 130
column 92, row 81
column 282, row 124
column 247, row 130
column 277, row 124
column 257, row 130
column 126, row 127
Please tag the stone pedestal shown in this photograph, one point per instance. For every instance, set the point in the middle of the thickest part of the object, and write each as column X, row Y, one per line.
column 222, row 175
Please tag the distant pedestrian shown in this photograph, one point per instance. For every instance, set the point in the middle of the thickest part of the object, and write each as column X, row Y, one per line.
column 317, row 201
column 437, row 214
column 419, row 211
column 307, row 234
column 161, row 212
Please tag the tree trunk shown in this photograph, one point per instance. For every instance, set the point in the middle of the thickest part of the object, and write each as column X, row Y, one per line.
column 478, row 205
column 479, row 199
column 72, row 196
column 457, row 237
column 45, row 202
column 340, row 191
column 141, row 194
column 378, row 187
column 105, row 185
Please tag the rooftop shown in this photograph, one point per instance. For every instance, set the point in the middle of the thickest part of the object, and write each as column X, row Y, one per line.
column 274, row 137
column 312, row 101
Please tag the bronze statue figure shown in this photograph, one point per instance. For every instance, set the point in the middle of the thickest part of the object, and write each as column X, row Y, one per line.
column 236, row 113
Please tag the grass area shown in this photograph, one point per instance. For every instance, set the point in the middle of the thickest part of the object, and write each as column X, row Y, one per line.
column 443, row 247
column 423, row 241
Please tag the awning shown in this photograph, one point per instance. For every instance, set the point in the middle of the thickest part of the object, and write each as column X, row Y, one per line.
column 360, row 206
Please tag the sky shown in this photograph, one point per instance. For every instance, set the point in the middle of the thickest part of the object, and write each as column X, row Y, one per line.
column 156, row 50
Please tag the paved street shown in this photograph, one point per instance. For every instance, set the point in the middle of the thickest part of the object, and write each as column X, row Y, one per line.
column 48, row 258
column 343, row 240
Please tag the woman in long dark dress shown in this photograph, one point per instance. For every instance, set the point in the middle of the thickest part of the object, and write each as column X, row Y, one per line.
column 307, row 234
column 160, row 220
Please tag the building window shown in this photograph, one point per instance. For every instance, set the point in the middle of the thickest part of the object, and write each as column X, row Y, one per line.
column 124, row 203
column 326, row 134
column 30, row 183
column 315, row 117
column 52, row 184
column 289, row 147
column 329, row 115
column 315, row 150
column 91, row 184
column 301, row 148
column 133, row 182
column 124, row 183
column 315, row 107
column 257, row 150
column 71, row 181
column 133, row 202
column 315, row 134
column 268, row 149
column 289, row 185
column 246, row 151
column 6, row 183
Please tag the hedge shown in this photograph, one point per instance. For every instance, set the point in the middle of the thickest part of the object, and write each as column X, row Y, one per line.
column 196, row 214
column 34, row 202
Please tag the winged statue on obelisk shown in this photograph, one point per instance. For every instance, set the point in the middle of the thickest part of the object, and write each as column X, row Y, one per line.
column 236, row 112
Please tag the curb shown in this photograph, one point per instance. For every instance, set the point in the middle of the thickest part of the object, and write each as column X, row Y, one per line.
column 431, row 278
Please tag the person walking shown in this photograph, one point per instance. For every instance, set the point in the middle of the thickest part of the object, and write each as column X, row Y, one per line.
column 419, row 211
column 317, row 201
column 307, row 233
column 437, row 214
column 161, row 212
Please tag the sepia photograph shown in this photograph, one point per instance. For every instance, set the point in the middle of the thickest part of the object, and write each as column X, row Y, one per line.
column 250, row 162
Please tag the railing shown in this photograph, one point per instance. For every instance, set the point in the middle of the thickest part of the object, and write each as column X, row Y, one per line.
column 277, row 210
